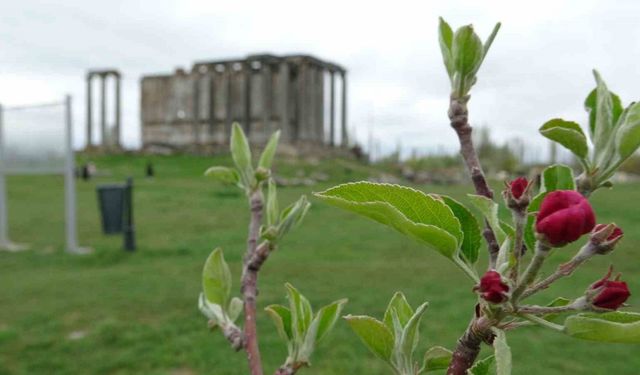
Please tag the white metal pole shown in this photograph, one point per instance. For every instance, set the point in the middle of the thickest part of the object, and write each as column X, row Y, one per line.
column 70, row 183
column 4, row 222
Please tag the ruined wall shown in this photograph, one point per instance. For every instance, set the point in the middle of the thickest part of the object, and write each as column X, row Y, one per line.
column 196, row 109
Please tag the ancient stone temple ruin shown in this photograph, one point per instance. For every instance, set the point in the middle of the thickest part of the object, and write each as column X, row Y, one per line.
column 109, row 135
column 296, row 93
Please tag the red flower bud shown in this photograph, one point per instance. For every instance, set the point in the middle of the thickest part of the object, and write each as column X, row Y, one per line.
column 604, row 238
column 615, row 234
column 492, row 288
column 518, row 186
column 613, row 293
column 564, row 216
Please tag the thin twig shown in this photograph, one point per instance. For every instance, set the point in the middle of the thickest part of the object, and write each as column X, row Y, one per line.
column 543, row 322
column 541, row 253
column 459, row 117
column 519, row 217
column 250, row 285
column 563, row 270
column 544, row 310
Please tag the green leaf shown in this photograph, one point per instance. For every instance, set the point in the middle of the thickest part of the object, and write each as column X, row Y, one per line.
column 410, row 336
column 470, row 227
column 437, row 358
column 607, row 109
column 301, row 312
column 272, row 204
column 323, row 322
column 558, row 302
column 374, row 334
column 216, row 279
column 554, row 177
column 236, row 306
column 281, row 317
column 403, row 309
column 628, row 135
column 445, row 37
column 502, row 353
column 614, row 327
column 558, row 177
column 411, row 212
column 529, row 233
column 489, row 210
column 292, row 216
column 568, row 134
column 591, row 103
column 490, row 39
column 483, row 366
column 212, row 311
column 327, row 317
column 223, row 174
column 467, row 50
column 502, row 261
column 241, row 154
column 266, row 159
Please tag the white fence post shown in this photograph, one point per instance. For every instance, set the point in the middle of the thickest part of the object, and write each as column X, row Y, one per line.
column 70, row 183
column 4, row 224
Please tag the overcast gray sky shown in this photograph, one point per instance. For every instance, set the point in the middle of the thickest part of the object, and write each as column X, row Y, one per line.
column 539, row 66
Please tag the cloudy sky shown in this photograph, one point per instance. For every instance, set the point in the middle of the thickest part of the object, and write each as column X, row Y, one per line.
column 539, row 66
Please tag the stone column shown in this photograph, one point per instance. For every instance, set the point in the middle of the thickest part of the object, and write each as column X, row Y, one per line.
column 283, row 92
column 212, row 104
column 302, row 109
column 248, row 72
column 332, row 111
column 118, row 118
column 345, row 141
column 103, row 110
column 318, row 103
column 89, row 110
column 266, row 99
column 195, row 118
column 228, row 72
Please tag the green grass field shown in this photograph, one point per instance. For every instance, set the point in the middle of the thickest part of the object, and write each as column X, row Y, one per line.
column 118, row 313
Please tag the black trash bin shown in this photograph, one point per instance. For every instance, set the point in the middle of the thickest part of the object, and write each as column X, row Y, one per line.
column 116, row 211
column 112, row 207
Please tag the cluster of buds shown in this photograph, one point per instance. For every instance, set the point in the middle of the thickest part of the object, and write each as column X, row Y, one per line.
column 564, row 216
column 492, row 288
column 608, row 294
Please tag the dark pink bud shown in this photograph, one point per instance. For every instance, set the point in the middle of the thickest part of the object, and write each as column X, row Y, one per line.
column 564, row 216
column 492, row 288
column 518, row 186
column 613, row 293
column 615, row 234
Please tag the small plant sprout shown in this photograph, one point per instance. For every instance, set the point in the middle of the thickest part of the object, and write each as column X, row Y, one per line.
column 395, row 338
column 268, row 225
column 300, row 328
